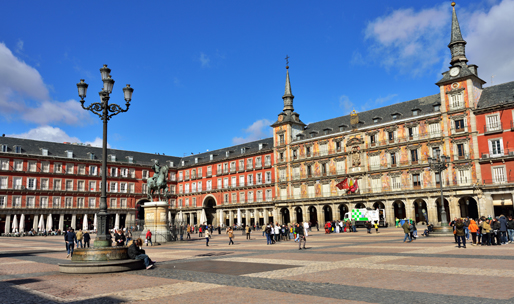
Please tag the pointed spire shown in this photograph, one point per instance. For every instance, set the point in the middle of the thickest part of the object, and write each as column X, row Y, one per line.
column 288, row 96
column 457, row 43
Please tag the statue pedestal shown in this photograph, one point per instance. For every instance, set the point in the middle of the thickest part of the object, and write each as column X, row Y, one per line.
column 156, row 216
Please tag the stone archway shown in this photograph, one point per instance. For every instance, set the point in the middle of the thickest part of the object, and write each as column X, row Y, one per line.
column 140, row 211
column 299, row 214
column 284, row 215
column 399, row 210
column 313, row 215
column 327, row 212
column 468, row 207
column 343, row 209
column 439, row 209
column 209, row 203
column 360, row 206
column 420, row 211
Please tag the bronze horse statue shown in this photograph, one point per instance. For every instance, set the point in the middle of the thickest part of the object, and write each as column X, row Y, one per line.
column 158, row 182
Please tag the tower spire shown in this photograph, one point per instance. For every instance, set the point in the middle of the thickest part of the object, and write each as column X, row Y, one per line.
column 288, row 96
column 457, row 43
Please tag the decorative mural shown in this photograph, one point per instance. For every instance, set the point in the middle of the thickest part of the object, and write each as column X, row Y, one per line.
column 401, row 133
column 303, row 190
column 303, row 171
column 427, row 178
column 386, row 185
column 315, row 149
column 332, row 167
column 381, row 136
column 331, row 146
column 474, row 172
column 454, row 176
column 404, row 155
column 301, row 151
column 317, row 169
column 383, row 159
column 425, row 152
column 317, row 190
column 423, row 130
column 405, row 179
column 333, row 188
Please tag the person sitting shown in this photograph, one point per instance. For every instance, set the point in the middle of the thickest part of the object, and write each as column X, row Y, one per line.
column 136, row 253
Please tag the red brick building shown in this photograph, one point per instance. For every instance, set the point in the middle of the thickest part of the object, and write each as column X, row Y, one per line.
column 230, row 186
column 63, row 181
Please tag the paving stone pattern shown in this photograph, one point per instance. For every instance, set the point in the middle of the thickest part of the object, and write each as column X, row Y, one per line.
column 340, row 268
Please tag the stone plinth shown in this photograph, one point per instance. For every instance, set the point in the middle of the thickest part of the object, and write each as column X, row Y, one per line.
column 156, row 219
column 442, row 231
column 101, row 267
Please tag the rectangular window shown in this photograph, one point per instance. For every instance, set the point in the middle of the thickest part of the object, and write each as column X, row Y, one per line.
column 114, row 203
column 3, row 182
column 390, row 136
column 186, row 174
column 92, row 170
column 132, row 188
column 3, row 201
column 31, row 202
column 259, row 196
column 436, row 152
column 373, row 139
column 459, row 125
column 416, row 182
column 464, row 177
column 225, row 182
column 123, row 202
column 57, row 184
column 267, row 160
column 17, row 183
column 249, row 179
column 241, row 197
column 113, row 172
column 232, row 167
column 200, row 175
column 193, row 187
column 180, row 176
column 493, row 123
column 81, row 186
column 124, row 172
column 395, row 183
column 393, row 159
column 456, row 101
column 80, row 202
column 249, row 164
column 82, row 169
column 18, row 165
column 268, row 196
column 241, row 180
column 69, row 169
column 435, row 130
column 258, row 177
column 56, row 202
column 69, row 185
column 199, row 186
column 250, row 197
column 113, row 158
column 496, row 147
column 414, row 156
column 374, row 162
column 186, row 188
column 43, row 202
column 234, row 198
column 233, row 182
column 4, row 164
column 92, row 186
column 123, row 187
column 57, row 168
column 460, row 151
column 499, row 176
column 268, row 177
column 209, row 185
column 258, row 162
column 4, row 148
column 114, row 187
column 92, row 202
column 16, row 201
column 145, row 174
column 32, row 166
column 68, row 202
column 69, row 154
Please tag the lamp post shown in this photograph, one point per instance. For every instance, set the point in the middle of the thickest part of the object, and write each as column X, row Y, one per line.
column 439, row 165
column 105, row 111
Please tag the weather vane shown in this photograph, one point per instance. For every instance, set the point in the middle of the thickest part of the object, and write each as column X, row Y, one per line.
column 287, row 61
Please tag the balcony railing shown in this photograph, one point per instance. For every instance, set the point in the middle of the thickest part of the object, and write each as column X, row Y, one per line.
column 493, row 127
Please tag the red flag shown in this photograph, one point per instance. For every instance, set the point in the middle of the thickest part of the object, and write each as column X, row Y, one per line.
column 343, row 185
column 355, row 187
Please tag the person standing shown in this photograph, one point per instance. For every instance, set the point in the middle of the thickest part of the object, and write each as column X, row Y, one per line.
column 460, row 233
column 149, row 237
column 376, row 226
column 510, row 229
column 503, row 230
column 306, row 228
column 267, row 231
column 71, row 238
column 452, row 224
column 406, row 230
column 301, row 237
column 354, row 225
column 368, row 227
column 473, row 228
column 248, row 231
column 188, row 237
column 119, row 238
column 128, row 236
column 207, row 236
column 79, row 235
column 230, row 233
column 466, row 227
column 486, row 230
column 87, row 238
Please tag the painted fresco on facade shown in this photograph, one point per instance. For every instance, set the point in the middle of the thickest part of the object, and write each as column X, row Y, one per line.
column 405, row 179
column 454, row 176
column 427, row 178
column 422, row 130
column 404, row 155
column 474, row 172
column 332, row 167
column 333, row 188
column 301, row 151
column 424, row 152
column 317, row 169
column 303, row 190
column 303, row 171
column 386, row 186
column 476, row 92
column 317, row 190
column 331, row 146
column 383, row 159
column 401, row 133
column 381, row 136
column 315, row 149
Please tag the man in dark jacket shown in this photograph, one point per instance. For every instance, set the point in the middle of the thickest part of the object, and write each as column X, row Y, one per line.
column 87, row 238
column 136, row 253
column 503, row 230
column 70, row 238
column 406, row 230
column 510, row 229
column 495, row 234
column 301, row 237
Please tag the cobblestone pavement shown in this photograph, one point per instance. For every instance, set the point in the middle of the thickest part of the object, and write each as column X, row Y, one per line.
column 342, row 268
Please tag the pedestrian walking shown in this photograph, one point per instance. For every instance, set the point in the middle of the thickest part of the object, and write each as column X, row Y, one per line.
column 87, row 238
column 70, row 238
column 230, row 233
column 188, row 232
column 79, row 235
column 148, row 238
column 460, row 233
column 503, row 230
column 376, row 226
column 473, row 228
column 248, row 230
column 510, row 229
column 301, row 237
column 368, row 227
column 207, row 236
column 406, row 230
column 267, row 232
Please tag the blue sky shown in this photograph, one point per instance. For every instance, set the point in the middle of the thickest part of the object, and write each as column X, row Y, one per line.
column 210, row 74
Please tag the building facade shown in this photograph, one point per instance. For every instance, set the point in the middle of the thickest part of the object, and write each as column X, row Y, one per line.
column 63, row 181
column 229, row 186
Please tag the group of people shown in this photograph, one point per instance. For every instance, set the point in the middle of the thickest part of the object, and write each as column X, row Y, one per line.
column 73, row 238
column 483, row 231
column 340, row 226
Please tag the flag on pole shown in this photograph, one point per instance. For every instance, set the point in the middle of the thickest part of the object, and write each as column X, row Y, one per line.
column 354, row 187
column 343, row 185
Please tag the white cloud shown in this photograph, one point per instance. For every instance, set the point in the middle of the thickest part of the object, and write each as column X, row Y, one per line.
column 408, row 40
column 259, row 129
column 345, row 104
column 416, row 42
column 24, row 95
column 205, row 60
column 54, row 134
column 19, row 46
column 381, row 100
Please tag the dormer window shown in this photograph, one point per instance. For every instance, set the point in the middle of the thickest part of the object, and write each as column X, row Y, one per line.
column 260, row 146
column 242, row 150
column 4, row 148
column 415, row 112
column 91, row 155
column 342, row 128
column 437, row 108
column 375, row 120
column 130, row 159
column 17, row 149
column 183, row 163
column 395, row 116
column 227, row 153
column 44, row 152
column 69, row 154
column 113, row 158
column 326, row 131
column 196, row 160
column 211, row 157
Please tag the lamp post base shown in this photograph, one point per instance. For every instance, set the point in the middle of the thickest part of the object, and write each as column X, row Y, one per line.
column 442, row 231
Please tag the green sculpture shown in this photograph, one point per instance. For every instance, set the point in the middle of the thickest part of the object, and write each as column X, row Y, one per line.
column 158, row 181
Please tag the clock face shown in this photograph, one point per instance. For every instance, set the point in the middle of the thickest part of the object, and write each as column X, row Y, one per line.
column 454, row 71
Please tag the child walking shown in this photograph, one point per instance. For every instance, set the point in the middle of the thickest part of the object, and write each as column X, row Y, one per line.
column 376, row 226
column 207, row 236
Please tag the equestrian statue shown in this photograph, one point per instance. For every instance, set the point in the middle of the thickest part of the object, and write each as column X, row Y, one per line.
column 158, row 181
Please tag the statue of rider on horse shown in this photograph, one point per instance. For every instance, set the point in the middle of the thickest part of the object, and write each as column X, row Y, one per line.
column 158, row 181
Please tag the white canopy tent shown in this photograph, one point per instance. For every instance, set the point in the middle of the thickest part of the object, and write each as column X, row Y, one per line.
column 14, row 226
column 22, row 223
column 94, row 223
column 84, row 223
column 239, row 222
column 41, row 224
column 203, row 217
column 49, row 223
column 117, row 222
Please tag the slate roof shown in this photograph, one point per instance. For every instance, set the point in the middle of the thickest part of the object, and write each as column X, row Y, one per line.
column 234, row 152
column 403, row 109
column 33, row 147
column 497, row 94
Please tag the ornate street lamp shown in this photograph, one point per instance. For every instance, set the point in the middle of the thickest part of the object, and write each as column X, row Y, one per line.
column 105, row 111
column 439, row 165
